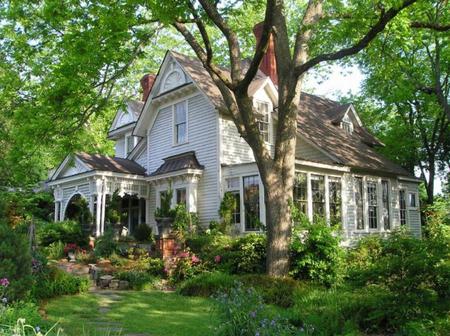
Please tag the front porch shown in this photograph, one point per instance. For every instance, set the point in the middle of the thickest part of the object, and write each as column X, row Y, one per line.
column 117, row 201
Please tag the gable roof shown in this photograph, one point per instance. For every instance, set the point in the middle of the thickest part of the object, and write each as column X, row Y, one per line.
column 318, row 120
column 133, row 108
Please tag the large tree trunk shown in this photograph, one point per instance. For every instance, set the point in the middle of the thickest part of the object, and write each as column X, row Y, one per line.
column 278, row 221
column 429, row 185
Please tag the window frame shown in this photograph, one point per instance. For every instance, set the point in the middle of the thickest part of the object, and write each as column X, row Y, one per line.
column 416, row 200
column 338, row 181
column 175, row 125
column 235, row 189
column 376, row 206
column 177, row 202
column 246, row 229
column 405, row 209
column 363, row 203
column 263, row 122
column 387, row 206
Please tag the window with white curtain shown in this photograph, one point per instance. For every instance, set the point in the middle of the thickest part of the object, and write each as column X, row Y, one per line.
column 180, row 123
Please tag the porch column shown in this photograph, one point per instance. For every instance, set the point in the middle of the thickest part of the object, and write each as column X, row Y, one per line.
column 57, row 204
column 98, row 215
column 91, row 204
column 327, row 200
column 62, row 214
column 147, row 210
column 309, row 197
column 102, row 223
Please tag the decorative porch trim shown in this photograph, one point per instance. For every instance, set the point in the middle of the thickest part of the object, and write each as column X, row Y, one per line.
column 178, row 173
column 322, row 165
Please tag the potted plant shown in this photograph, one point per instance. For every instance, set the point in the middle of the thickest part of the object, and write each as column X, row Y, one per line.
column 164, row 215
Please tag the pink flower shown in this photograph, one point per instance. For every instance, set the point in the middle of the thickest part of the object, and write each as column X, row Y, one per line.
column 217, row 259
column 195, row 259
column 183, row 254
column 4, row 282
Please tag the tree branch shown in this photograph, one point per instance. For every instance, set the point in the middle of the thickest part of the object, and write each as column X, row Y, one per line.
column 430, row 25
column 384, row 19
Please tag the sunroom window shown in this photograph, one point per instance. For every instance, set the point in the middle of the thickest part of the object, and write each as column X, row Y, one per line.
column 402, row 201
column 359, row 200
column 301, row 192
column 373, row 204
column 318, row 195
column 251, row 202
column 335, row 199
column 385, row 199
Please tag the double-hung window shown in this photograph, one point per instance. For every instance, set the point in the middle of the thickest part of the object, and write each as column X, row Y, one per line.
column 251, row 202
column 318, row 195
column 180, row 123
column 181, row 196
column 385, row 199
column 359, row 202
column 233, row 185
column 301, row 192
column 335, row 199
column 263, row 119
column 402, row 201
column 372, row 199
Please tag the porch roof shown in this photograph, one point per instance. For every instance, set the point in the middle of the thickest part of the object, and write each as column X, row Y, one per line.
column 112, row 164
column 178, row 162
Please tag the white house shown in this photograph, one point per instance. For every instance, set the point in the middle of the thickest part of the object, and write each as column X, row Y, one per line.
column 181, row 136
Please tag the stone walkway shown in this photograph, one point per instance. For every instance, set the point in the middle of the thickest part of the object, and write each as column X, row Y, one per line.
column 102, row 325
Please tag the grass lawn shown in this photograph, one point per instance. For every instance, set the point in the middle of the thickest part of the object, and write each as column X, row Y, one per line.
column 151, row 313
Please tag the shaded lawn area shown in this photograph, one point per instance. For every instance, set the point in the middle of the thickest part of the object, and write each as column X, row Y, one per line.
column 152, row 313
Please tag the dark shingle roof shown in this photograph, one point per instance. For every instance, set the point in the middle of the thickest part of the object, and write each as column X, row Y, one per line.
column 315, row 123
column 177, row 162
column 112, row 164
column 318, row 120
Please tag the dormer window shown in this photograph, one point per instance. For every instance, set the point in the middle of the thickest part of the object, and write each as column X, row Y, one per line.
column 263, row 119
column 174, row 78
column 347, row 125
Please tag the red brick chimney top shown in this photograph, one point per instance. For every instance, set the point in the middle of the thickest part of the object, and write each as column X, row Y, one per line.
column 147, row 84
column 268, row 64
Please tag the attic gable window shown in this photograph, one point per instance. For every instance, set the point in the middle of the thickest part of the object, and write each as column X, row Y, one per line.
column 347, row 125
column 263, row 119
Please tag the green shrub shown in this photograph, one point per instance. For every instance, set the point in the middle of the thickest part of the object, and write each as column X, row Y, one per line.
column 242, row 312
column 415, row 274
column 55, row 250
column 66, row 232
column 86, row 257
column 136, row 279
column 21, row 310
column 247, row 254
column 339, row 311
column 155, row 266
column 106, row 244
column 54, row 282
column 207, row 284
column 143, row 233
column 15, row 262
column 316, row 253
column 276, row 291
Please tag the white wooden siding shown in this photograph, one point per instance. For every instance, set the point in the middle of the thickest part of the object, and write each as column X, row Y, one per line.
column 308, row 152
column 235, row 149
column 202, row 135
column 142, row 157
column 120, row 148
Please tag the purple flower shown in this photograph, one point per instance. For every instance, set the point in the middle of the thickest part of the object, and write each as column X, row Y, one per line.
column 38, row 329
column 253, row 314
column 272, row 323
column 257, row 333
column 5, row 300
column 4, row 282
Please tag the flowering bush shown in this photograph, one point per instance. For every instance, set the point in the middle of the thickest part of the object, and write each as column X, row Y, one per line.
column 242, row 312
column 4, row 283
column 183, row 266
column 71, row 247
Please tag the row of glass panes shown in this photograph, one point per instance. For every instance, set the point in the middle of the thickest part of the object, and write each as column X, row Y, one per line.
column 300, row 196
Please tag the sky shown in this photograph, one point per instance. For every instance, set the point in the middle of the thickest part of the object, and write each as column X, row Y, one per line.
column 336, row 81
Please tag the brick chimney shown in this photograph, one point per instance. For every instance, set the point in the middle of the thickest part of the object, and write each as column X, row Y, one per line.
column 268, row 63
column 147, row 84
